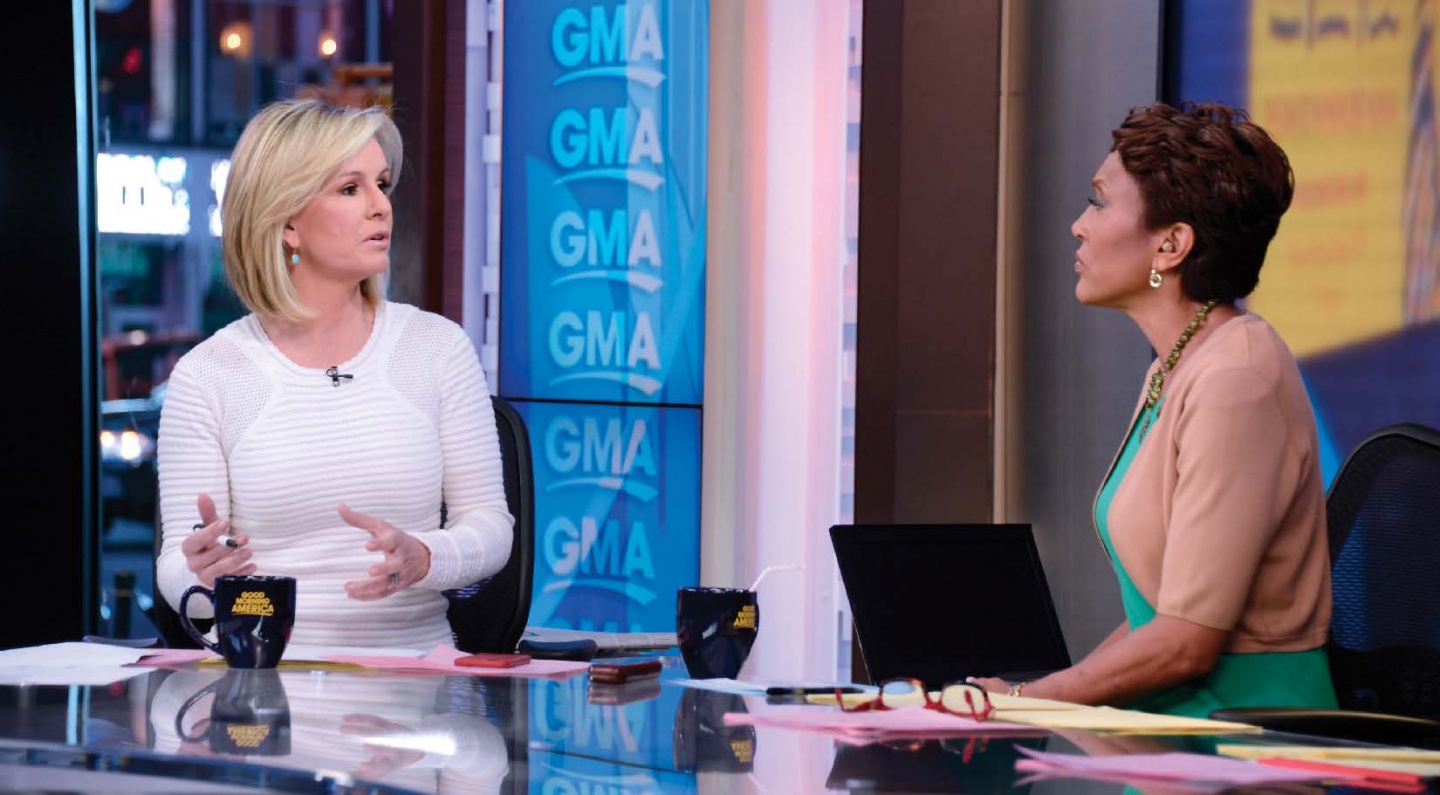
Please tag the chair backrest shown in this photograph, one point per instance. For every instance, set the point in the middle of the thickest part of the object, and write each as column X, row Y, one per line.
column 490, row 615
column 1384, row 526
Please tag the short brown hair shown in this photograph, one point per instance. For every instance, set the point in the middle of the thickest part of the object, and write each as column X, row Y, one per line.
column 1209, row 166
column 283, row 159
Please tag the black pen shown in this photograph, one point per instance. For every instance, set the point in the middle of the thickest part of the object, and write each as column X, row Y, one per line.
column 227, row 540
column 814, row 690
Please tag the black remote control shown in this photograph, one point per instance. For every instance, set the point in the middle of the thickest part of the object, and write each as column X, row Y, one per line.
column 581, row 650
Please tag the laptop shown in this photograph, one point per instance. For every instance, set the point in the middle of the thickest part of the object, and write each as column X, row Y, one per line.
column 940, row 602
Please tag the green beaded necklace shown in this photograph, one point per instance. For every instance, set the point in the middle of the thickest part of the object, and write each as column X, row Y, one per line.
column 1157, row 381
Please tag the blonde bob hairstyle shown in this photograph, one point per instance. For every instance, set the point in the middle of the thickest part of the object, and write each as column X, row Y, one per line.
column 284, row 158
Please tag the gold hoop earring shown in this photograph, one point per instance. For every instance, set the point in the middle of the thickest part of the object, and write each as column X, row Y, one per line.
column 1156, row 279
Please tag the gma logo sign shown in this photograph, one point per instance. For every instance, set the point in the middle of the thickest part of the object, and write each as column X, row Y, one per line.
column 608, row 42
column 616, row 346
column 594, row 452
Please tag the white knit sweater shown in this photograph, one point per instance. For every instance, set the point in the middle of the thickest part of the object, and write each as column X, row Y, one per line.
column 279, row 447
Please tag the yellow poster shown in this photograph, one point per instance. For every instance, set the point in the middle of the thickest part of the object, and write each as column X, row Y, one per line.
column 1332, row 82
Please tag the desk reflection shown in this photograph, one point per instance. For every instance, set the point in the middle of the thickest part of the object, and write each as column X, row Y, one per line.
column 644, row 736
column 975, row 764
column 297, row 731
column 413, row 733
column 586, row 738
column 249, row 715
column 702, row 740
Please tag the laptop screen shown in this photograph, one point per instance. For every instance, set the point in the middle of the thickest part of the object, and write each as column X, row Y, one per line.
column 942, row 602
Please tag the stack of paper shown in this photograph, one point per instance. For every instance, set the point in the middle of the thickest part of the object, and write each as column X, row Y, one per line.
column 1005, row 703
column 1213, row 772
column 1123, row 721
column 1400, row 760
column 860, row 728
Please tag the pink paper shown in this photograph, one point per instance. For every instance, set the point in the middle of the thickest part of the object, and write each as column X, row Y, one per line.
column 170, row 658
column 1165, row 767
column 871, row 726
column 442, row 660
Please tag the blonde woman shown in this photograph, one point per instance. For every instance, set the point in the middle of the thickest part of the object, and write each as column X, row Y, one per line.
column 319, row 436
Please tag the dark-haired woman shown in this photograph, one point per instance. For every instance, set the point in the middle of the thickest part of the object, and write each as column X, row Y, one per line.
column 1213, row 511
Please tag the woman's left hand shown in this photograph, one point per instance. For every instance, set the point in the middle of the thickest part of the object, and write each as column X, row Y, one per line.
column 384, row 758
column 407, row 560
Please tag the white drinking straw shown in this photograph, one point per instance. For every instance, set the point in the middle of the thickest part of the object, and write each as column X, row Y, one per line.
column 768, row 569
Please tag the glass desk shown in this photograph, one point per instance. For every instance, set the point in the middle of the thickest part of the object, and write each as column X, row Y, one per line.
column 203, row 729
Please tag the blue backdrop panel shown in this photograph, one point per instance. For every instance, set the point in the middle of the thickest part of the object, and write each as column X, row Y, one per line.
column 1209, row 59
column 603, row 189
column 617, row 498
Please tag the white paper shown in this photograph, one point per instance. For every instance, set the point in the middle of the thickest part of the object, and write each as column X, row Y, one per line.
column 721, row 686
column 743, row 688
column 100, row 664
column 69, row 664
column 70, row 655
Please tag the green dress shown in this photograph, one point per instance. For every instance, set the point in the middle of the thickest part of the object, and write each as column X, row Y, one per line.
column 1259, row 679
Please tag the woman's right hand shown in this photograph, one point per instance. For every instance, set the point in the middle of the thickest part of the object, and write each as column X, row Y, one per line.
column 206, row 551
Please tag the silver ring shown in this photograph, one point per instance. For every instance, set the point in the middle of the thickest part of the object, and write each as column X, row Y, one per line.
column 394, row 580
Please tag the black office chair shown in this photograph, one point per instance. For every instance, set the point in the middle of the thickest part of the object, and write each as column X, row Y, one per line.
column 486, row 616
column 1384, row 526
column 490, row 615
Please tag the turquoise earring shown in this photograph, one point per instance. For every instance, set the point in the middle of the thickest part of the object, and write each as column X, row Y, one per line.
column 295, row 257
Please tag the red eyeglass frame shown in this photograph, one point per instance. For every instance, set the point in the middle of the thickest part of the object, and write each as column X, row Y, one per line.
column 878, row 703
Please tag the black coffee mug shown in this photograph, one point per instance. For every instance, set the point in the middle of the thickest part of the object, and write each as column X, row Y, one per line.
column 250, row 715
column 253, row 618
column 715, row 628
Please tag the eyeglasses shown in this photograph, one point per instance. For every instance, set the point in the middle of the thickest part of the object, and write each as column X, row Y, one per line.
column 963, row 699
